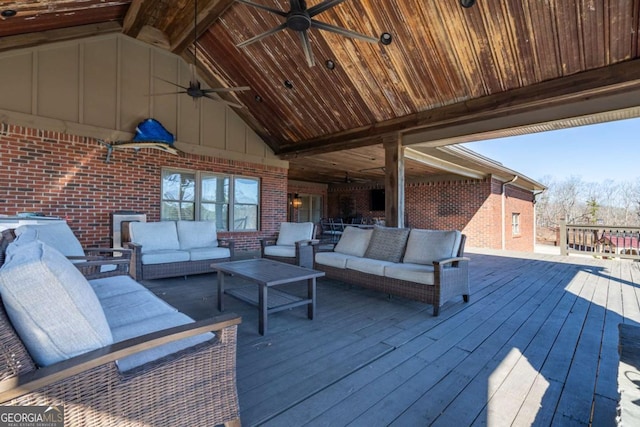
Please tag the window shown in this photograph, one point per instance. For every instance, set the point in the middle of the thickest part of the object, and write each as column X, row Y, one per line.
column 310, row 211
column 515, row 223
column 232, row 202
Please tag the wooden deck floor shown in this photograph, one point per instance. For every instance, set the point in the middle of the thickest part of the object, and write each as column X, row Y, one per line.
column 536, row 345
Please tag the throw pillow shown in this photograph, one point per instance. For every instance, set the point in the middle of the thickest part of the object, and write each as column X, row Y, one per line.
column 387, row 244
column 51, row 305
column 354, row 241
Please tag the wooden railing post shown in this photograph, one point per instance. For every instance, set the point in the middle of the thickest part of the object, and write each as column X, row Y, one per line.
column 563, row 237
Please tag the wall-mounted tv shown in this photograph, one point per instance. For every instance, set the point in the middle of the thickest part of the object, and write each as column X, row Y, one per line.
column 377, row 199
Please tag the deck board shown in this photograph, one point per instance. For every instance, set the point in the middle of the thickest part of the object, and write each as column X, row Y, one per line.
column 536, row 345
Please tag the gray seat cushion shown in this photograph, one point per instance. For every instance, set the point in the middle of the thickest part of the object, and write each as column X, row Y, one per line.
column 199, row 254
column 114, row 285
column 153, row 324
column 288, row 251
column 51, row 305
column 292, row 232
column 58, row 235
column 333, row 259
column 132, row 307
column 164, row 256
column 417, row 273
column 368, row 265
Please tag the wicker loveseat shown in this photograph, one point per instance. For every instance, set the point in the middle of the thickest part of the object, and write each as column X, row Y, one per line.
column 424, row 265
column 176, row 248
column 106, row 351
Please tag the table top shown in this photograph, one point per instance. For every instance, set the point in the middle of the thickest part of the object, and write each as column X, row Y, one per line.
column 267, row 272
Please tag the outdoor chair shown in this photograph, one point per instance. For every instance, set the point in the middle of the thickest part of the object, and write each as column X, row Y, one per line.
column 293, row 244
column 89, row 260
column 166, row 370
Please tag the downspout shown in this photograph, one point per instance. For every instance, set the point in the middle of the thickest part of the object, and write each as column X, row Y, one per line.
column 504, row 207
column 535, row 218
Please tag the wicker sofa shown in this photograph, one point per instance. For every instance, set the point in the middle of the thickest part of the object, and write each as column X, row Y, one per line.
column 424, row 265
column 107, row 351
column 176, row 248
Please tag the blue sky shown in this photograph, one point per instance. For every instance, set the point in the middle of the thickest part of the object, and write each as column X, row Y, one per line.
column 594, row 153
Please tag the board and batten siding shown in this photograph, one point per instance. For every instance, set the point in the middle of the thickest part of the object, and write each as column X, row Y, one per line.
column 101, row 87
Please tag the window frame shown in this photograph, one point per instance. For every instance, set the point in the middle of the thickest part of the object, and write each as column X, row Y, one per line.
column 198, row 197
column 515, row 223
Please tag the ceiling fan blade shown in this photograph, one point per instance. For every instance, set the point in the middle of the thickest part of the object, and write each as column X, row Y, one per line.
column 225, row 89
column 172, row 83
column 168, row 93
column 342, row 31
column 263, row 35
column 229, row 103
column 306, row 46
column 321, row 7
column 267, row 8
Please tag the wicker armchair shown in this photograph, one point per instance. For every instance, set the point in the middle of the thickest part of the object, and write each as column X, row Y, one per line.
column 194, row 386
column 293, row 244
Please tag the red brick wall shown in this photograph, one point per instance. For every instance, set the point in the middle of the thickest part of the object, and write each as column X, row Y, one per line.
column 66, row 175
column 472, row 206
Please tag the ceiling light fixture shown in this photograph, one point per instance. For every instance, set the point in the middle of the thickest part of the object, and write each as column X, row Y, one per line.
column 330, row 64
column 386, row 39
column 8, row 13
column 467, row 3
column 288, row 84
column 258, row 98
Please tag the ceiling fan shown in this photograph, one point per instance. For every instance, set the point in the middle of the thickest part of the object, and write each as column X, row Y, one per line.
column 300, row 19
column 350, row 180
column 195, row 90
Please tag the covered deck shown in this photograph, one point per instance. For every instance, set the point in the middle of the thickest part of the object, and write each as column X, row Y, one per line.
column 536, row 345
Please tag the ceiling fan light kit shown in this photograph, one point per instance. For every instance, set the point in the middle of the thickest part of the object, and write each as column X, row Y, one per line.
column 467, row 3
column 195, row 90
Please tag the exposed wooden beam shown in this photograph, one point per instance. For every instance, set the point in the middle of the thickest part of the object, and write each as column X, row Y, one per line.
column 394, row 183
column 208, row 12
column 603, row 89
column 168, row 18
column 50, row 36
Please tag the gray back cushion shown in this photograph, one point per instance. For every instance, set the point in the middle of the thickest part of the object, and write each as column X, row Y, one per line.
column 154, row 236
column 426, row 246
column 354, row 241
column 51, row 305
column 292, row 232
column 387, row 244
column 197, row 234
column 57, row 235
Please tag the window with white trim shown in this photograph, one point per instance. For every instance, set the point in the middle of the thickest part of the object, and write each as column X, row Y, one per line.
column 515, row 223
column 231, row 201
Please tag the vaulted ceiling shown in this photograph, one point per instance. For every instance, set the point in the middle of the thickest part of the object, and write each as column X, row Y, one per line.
column 450, row 74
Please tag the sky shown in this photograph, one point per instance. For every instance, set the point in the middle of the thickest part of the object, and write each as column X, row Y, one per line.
column 593, row 153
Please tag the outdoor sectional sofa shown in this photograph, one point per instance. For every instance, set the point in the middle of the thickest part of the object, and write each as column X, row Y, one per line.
column 107, row 351
column 423, row 265
column 176, row 248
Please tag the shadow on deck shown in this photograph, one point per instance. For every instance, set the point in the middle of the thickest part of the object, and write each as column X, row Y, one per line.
column 537, row 344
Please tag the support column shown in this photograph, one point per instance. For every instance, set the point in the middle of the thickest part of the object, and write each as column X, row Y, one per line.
column 394, row 182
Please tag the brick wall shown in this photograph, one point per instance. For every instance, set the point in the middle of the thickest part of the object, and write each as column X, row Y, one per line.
column 472, row 206
column 65, row 175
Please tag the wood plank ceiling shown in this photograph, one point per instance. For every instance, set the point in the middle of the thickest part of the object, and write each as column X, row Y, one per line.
column 447, row 66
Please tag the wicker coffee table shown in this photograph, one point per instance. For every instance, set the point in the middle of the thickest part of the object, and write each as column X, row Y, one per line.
column 267, row 274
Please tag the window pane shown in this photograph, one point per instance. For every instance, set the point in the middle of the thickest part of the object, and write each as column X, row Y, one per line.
column 188, row 187
column 171, row 186
column 245, row 217
column 215, row 189
column 246, row 191
column 218, row 213
column 170, row 211
column 187, row 211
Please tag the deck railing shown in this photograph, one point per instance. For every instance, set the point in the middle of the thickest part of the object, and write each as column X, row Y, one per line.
column 600, row 240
